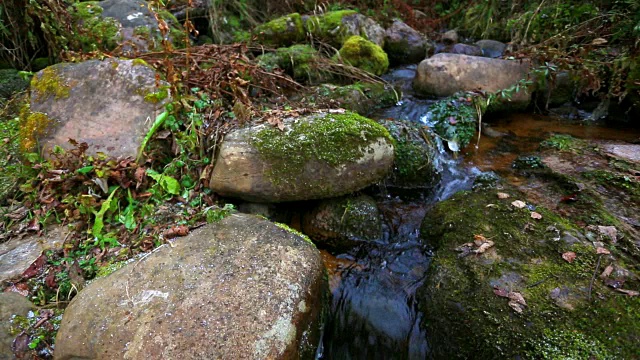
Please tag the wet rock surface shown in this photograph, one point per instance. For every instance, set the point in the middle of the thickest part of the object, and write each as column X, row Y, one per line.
column 340, row 224
column 109, row 104
column 241, row 288
column 405, row 45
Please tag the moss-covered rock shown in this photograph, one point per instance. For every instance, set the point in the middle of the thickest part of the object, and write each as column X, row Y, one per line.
column 471, row 296
column 300, row 61
column 414, row 170
column 283, row 31
column 362, row 53
column 328, row 26
column 318, row 156
column 363, row 98
column 341, row 223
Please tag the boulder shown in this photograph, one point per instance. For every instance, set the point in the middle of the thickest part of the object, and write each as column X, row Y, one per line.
column 364, row 54
column 317, row 156
column 446, row 74
column 341, row 223
column 17, row 254
column 335, row 27
column 491, row 48
column 560, row 90
column 465, row 49
column 127, row 25
column 360, row 97
column 10, row 304
column 242, row 288
column 109, row 104
column 301, row 61
column 283, row 31
column 405, row 45
column 507, row 284
column 450, row 37
column 414, row 167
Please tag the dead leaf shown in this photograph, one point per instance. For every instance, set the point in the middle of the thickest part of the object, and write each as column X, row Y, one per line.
column 569, row 256
column 484, row 247
column 492, row 205
column 176, row 231
column 33, row 225
column 609, row 231
column 500, row 292
column 599, row 41
column 502, row 195
column 536, row 215
column 519, row 204
column 607, row 271
column 602, row 251
column 628, row 292
column 517, row 307
column 35, row 268
column 517, row 297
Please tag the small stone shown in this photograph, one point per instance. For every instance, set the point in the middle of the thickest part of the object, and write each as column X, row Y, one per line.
column 519, row 204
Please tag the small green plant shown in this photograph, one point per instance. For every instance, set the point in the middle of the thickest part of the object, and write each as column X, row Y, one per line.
column 560, row 142
column 40, row 327
column 215, row 213
column 528, row 162
column 455, row 120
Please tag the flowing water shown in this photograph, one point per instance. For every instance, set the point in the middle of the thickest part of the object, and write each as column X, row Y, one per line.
column 373, row 312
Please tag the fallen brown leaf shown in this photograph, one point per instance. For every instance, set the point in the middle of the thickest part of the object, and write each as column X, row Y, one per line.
column 484, row 247
column 500, row 292
column 519, row 204
column 502, row 195
column 607, row 271
column 628, row 292
column 569, row 256
column 536, row 215
column 602, row 251
column 175, row 231
column 517, row 297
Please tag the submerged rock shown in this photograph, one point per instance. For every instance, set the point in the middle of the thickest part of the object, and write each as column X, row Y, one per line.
column 446, row 74
column 341, row 223
column 503, row 284
column 318, row 156
column 242, row 288
column 109, row 104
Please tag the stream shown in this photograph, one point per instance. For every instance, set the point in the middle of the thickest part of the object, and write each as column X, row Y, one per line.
column 373, row 313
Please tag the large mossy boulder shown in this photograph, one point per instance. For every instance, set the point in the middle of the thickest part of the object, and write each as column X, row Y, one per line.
column 127, row 25
column 108, row 104
column 446, row 74
column 335, row 27
column 414, row 168
column 511, row 282
column 405, row 45
column 242, row 288
column 341, row 224
column 281, row 32
column 364, row 54
column 313, row 157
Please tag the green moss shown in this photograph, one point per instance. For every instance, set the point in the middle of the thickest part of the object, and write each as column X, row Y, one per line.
column 295, row 232
column 623, row 182
column 364, row 54
column 97, row 33
column 464, row 313
column 282, row 31
column 33, row 126
column 562, row 142
column 48, row 83
column 330, row 138
column 158, row 96
column 328, row 26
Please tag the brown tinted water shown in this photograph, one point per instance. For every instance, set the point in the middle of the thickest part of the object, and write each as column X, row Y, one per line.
column 522, row 134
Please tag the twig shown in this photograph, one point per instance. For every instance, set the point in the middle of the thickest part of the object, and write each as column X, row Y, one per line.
column 595, row 272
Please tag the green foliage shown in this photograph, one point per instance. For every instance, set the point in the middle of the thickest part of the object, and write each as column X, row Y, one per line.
column 455, row 120
column 168, row 184
column 560, row 142
column 528, row 162
column 565, row 345
column 40, row 327
column 215, row 213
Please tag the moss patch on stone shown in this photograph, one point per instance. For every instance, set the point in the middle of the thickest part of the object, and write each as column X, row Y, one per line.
column 295, row 232
column 282, row 31
column 98, row 33
column 464, row 313
column 157, row 96
column 328, row 26
column 333, row 139
column 33, row 126
column 48, row 83
column 364, row 54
